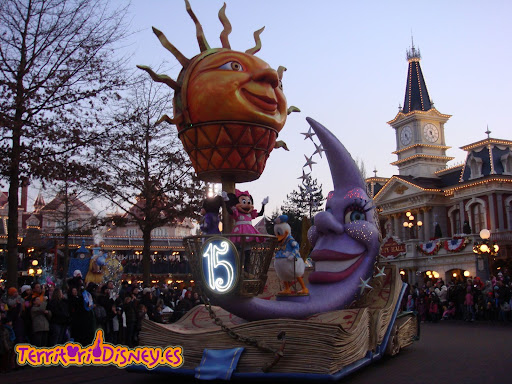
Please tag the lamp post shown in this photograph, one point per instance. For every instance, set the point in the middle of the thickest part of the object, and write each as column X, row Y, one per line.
column 484, row 249
column 409, row 223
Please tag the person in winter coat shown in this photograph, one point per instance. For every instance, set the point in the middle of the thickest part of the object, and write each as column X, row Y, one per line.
column 40, row 323
column 60, row 319
column 469, row 305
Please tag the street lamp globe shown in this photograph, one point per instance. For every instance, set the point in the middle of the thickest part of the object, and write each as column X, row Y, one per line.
column 485, row 233
column 466, row 273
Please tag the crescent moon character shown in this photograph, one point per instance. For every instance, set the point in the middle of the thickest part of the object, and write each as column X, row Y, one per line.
column 345, row 240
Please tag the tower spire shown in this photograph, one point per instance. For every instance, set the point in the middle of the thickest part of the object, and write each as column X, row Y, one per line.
column 416, row 93
column 39, row 203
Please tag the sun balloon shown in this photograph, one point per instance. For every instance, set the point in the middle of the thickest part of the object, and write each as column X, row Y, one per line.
column 229, row 106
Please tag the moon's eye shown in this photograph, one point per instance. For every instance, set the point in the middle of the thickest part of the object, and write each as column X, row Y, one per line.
column 354, row 214
column 280, row 85
column 232, row 66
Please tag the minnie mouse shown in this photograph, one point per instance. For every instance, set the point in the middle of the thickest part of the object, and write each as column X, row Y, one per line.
column 241, row 205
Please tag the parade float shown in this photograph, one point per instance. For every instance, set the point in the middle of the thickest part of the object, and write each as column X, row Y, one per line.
column 229, row 108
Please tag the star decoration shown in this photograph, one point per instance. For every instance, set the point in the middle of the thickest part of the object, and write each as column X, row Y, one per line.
column 319, row 149
column 309, row 162
column 381, row 272
column 309, row 134
column 364, row 284
column 304, row 176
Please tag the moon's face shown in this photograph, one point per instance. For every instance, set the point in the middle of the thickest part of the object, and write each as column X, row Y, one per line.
column 235, row 86
column 342, row 236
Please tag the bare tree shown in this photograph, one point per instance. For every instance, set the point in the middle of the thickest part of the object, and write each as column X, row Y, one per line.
column 69, row 210
column 362, row 168
column 145, row 171
column 57, row 70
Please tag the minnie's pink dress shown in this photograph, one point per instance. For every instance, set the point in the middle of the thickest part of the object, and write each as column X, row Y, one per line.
column 243, row 224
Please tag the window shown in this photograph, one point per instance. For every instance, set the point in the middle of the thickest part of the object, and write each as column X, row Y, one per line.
column 159, row 232
column 477, row 214
column 456, row 221
column 475, row 166
column 131, row 232
column 506, row 162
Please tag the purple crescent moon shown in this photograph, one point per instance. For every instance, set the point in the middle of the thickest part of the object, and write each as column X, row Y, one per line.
column 345, row 241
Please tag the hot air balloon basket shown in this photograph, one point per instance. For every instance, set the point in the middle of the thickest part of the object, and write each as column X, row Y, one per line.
column 225, row 149
column 222, row 267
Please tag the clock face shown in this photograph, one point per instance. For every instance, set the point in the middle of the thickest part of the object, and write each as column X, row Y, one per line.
column 431, row 132
column 406, row 135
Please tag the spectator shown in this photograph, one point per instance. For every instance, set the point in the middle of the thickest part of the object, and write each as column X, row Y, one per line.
column 60, row 319
column 469, row 314
column 7, row 342
column 449, row 313
column 40, row 323
column 15, row 305
column 410, row 304
column 130, row 320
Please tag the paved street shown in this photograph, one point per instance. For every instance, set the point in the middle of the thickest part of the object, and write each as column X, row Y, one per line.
column 448, row 352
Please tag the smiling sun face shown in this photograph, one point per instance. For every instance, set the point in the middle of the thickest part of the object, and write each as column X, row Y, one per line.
column 229, row 106
column 235, row 86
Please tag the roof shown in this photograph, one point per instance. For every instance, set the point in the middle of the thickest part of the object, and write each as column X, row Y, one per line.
column 39, row 203
column 486, row 158
column 4, row 196
column 416, row 93
column 77, row 205
column 422, row 182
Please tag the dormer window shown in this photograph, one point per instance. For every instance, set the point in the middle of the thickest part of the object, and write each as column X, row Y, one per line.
column 506, row 161
column 475, row 166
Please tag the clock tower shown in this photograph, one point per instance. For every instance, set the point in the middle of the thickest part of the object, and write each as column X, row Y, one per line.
column 419, row 127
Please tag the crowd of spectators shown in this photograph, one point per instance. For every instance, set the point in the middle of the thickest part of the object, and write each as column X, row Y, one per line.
column 46, row 315
column 468, row 300
column 160, row 265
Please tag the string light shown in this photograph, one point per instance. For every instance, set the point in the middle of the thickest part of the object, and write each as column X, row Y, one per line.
column 431, row 112
column 404, row 181
column 420, row 145
column 449, row 168
column 450, row 191
column 447, row 158
column 484, row 142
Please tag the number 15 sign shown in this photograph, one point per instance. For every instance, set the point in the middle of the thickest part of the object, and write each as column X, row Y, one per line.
column 220, row 265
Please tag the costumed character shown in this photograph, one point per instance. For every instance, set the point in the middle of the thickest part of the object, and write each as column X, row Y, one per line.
column 345, row 241
column 210, row 211
column 288, row 263
column 95, row 274
column 241, row 206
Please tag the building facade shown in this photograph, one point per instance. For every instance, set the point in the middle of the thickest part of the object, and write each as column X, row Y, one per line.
column 431, row 214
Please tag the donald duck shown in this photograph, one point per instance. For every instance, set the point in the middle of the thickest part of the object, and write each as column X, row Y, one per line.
column 288, row 264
